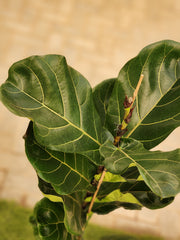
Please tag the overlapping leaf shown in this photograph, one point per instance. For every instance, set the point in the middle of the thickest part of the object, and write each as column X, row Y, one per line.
column 131, row 183
column 59, row 101
column 128, row 191
column 48, row 220
column 156, row 113
column 114, row 200
column 101, row 95
column 64, row 139
column 144, row 195
column 112, row 182
column 47, row 190
column 160, row 170
column 75, row 215
column 67, row 172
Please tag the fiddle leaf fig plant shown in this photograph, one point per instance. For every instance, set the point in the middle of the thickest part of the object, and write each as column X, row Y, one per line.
column 91, row 148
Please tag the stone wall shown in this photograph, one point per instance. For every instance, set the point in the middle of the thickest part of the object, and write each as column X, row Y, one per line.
column 97, row 37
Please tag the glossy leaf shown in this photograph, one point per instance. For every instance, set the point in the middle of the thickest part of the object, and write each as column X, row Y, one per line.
column 113, row 201
column 67, row 172
column 112, row 182
column 156, row 113
column 136, row 190
column 131, row 174
column 47, row 189
column 70, row 123
column 144, row 195
column 49, row 221
column 34, row 224
column 59, row 101
column 101, row 95
column 75, row 216
column 160, row 170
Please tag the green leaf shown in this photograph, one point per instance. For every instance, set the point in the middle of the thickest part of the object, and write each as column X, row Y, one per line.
column 131, row 174
column 53, row 198
column 75, row 216
column 160, row 170
column 101, row 95
column 130, row 184
column 57, row 99
column 67, row 172
column 113, row 201
column 109, row 177
column 49, row 221
column 144, row 195
column 112, row 182
column 156, row 113
column 33, row 222
column 46, row 188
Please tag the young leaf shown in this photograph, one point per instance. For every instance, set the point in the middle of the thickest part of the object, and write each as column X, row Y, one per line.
column 57, row 99
column 67, row 172
column 130, row 184
column 113, row 201
column 112, row 182
column 49, row 221
column 160, row 170
column 156, row 113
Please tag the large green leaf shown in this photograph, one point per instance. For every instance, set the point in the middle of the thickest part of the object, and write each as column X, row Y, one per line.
column 101, row 95
column 156, row 113
column 144, row 195
column 48, row 190
column 48, row 220
column 160, row 170
column 34, row 224
column 137, row 188
column 59, row 101
column 112, row 182
column 67, row 172
column 75, row 216
column 130, row 183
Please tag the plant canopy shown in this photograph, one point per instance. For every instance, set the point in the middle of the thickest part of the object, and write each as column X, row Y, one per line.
column 71, row 138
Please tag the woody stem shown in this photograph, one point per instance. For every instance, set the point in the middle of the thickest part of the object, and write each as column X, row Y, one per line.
column 97, row 190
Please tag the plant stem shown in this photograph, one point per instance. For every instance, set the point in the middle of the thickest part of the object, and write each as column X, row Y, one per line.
column 137, row 89
column 97, row 190
column 116, row 141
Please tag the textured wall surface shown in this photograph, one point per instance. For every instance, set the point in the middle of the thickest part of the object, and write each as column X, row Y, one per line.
column 97, row 37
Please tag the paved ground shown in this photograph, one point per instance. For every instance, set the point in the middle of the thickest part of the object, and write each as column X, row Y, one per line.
column 97, row 37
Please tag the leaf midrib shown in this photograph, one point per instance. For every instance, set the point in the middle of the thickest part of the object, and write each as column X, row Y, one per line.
column 141, row 120
column 138, row 165
column 51, row 110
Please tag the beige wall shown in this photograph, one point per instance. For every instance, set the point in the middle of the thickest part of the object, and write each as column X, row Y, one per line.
column 97, row 37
